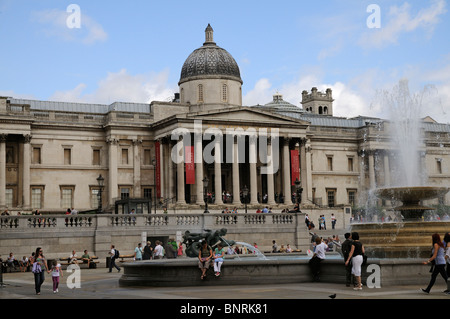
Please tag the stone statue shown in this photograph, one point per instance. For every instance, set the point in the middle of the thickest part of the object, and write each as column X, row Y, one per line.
column 193, row 241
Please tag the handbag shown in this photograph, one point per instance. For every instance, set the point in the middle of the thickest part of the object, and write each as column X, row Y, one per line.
column 364, row 260
column 36, row 268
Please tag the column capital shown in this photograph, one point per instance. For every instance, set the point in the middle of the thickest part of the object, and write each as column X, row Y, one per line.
column 3, row 137
column 27, row 138
column 137, row 141
column 112, row 141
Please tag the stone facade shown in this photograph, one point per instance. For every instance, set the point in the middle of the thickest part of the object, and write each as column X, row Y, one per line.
column 51, row 153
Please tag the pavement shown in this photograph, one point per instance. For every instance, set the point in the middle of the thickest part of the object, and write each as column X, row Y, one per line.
column 100, row 284
column 99, row 293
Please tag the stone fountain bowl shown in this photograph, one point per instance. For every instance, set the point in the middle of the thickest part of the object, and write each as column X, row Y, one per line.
column 411, row 194
column 410, row 197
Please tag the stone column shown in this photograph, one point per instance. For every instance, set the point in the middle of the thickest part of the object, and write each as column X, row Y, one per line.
column 180, row 173
column 218, row 171
column 286, row 173
column 270, row 175
column 112, row 170
column 303, row 171
column 136, row 168
column 3, row 170
column 371, row 170
column 26, row 172
column 253, row 178
column 236, row 183
column 198, row 159
column 161, row 168
column 308, row 189
column 170, row 175
column 387, row 171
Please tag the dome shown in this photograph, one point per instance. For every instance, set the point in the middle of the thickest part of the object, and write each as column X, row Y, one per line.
column 210, row 61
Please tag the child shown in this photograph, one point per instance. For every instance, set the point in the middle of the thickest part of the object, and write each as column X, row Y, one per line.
column 56, row 272
column 219, row 252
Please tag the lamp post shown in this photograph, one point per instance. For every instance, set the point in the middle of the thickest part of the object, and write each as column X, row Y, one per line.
column 245, row 194
column 205, row 193
column 154, row 180
column 100, row 181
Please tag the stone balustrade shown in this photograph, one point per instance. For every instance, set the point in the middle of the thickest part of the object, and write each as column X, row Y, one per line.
column 63, row 233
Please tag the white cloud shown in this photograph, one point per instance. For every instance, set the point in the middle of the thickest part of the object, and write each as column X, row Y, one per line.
column 122, row 87
column 399, row 20
column 54, row 24
column 348, row 103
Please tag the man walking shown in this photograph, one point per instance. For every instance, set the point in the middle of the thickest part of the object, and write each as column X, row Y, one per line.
column 114, row 255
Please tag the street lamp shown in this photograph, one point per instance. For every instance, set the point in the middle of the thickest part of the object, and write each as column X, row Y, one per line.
column 245, row 194
column 205, row 193
column 154, row 180
column 100, row 181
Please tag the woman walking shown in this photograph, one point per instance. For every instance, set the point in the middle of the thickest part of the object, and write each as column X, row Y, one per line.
column 356, row 257
column 39, row 265
column 439, row 262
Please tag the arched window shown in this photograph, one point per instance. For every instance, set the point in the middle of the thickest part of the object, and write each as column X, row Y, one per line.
column 200, row 92
column 224, row 93
column 325, row 110
column 320, row 110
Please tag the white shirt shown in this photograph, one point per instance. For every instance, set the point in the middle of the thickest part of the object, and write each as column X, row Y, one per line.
column 158, row 250
column 320, row 250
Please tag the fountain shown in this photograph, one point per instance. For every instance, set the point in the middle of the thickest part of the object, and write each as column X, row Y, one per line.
column 409, row 237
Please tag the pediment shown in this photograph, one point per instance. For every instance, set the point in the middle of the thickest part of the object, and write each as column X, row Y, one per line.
column 246, row 115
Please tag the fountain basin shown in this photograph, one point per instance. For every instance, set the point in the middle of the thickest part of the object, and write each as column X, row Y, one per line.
column 411, row 239
column 411, row 197
column 184, row 272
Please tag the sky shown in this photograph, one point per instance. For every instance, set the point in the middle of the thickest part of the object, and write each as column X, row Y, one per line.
column 108, row 51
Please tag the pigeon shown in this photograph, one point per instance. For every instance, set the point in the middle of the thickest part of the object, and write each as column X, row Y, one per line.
column 332, row 296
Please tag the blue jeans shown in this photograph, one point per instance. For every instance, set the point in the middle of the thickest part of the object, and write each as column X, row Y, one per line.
column 39, row 279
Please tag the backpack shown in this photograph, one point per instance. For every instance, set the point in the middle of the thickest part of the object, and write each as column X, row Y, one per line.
column 116, row 253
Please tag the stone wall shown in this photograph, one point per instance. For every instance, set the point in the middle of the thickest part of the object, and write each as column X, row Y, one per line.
column 58, row 235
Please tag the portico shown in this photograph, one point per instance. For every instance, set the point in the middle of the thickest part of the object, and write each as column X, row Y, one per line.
column 233, row 148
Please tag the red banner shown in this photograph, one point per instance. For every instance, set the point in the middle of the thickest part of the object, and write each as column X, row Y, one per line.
column 295, row 167
column 190, row 165
column 158, row 171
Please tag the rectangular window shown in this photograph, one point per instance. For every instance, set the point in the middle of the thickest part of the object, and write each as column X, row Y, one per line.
column 125, row 156
column 36, row 198
column 67, row 197
column 36, row 156
column 124, row 192
column 95, row 197
column 331, row 194
column 330, row 163
column 67, row 156
column 351, row 197
column 439, row 166
column 147, row 157
column 9, row 193
column 95, row 157
column 147, row 193
column 350, row 164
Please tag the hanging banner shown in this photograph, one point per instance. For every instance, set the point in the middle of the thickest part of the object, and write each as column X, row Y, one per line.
column 190, row 165
column 158, row 170
column 295, row 167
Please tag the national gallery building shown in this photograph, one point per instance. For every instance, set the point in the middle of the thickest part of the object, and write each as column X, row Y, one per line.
column 204, row 145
